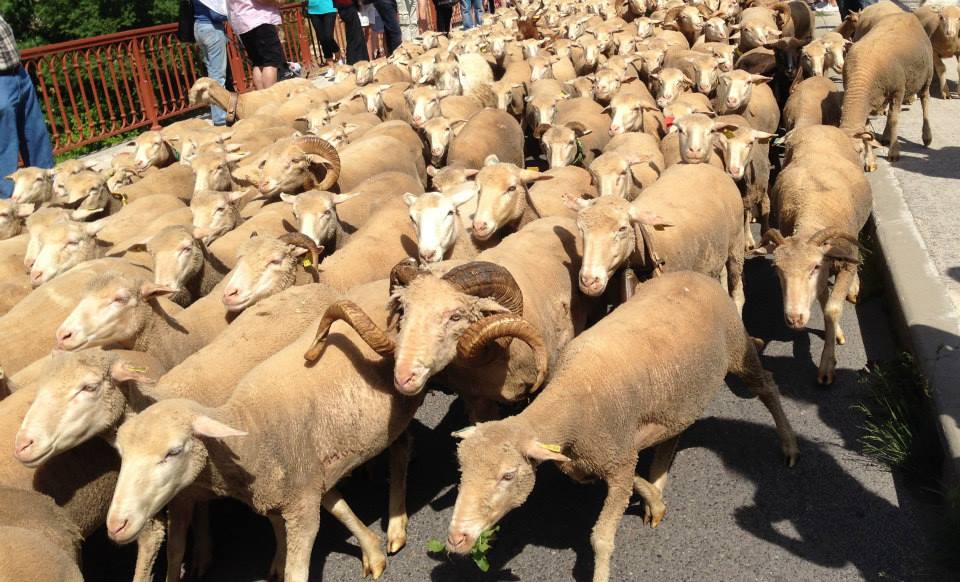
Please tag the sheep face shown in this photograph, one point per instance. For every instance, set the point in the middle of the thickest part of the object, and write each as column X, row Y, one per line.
column 737, row 145
column 436, row 220
column 62, row 246
column 813, row 58
column 696, row 137
column 612, row 175
column 608, row 240
column 646, row 26
column 606, row 84
column 316, row 213
column 122, row 174
column 591, row 51
column 560, row 143
column 650, row 61
column 78, row 397
column 754, row 34
column 725, row 55
column 509, row 97
column 626, row 43
column 434, row 315
column 734, row 90
column 264, row 267
column 715, row 30
column 802, row 272
column 66, row 169
column 10, row 214
column 541, row 109
column 151, row 150
column 502, row 194
column 162, row 453
column 423, row 70
column 289, row 169
column 36, row 223
column 669, row 84
column 213, row 170
column 113, row 311
column 580, row 87
column 950, row 21
column 439, row 131
column 424, row 104
column 214, row 214
column 627, row 113
column 31, row 185
column 498, row 462
column 364, row 71
column 87, row 190
column 448, row 77
column 530, row 48
column 177, row 256
column 540, row 68
column 706, row 69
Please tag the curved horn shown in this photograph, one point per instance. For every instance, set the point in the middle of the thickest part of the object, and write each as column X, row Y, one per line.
column 483, row 279
column 774, row 235
column 402, row 273
column 298, row 239
column 472, row 347
column 351, row 313
column 314, row 145
column 826, row 234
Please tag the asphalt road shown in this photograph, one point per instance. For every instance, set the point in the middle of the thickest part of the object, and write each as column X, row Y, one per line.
column 735, row 512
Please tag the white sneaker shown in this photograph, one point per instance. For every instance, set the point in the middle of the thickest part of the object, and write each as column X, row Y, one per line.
column 826, row 8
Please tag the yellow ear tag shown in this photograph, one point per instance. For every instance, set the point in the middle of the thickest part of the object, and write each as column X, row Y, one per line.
column 552, row 448
column 137, row 369
column 728, row 133
column 121, row 196
column 307, row 262
column 533, row 168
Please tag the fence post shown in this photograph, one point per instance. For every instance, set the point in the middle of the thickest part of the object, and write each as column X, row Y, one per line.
column 235, row 61
column 305, row 55
column 142, row 74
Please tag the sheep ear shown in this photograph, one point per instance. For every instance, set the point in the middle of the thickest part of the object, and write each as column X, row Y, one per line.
column 206, row 426
column 122, row 371
column 152, row 290
column 463, row 194
column 92, row 228
column 235, row 156
column 759, row 79
column 341, row 198
column 578, row 128
column 530, row 176
column 235, row 196
column 464, row 433
column 297, row 252
column 762, row 136
column 458, row 125
column 288, row 198
column 537, row 451
column 431, row 171
column 409, row 198
column 491, row 160
column 638, row 216
column 575, row 203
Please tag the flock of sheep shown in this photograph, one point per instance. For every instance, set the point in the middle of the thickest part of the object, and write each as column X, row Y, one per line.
column 255, row 312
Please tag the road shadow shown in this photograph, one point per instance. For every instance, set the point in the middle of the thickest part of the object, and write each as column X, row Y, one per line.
column 928, row 162
column 816, row 510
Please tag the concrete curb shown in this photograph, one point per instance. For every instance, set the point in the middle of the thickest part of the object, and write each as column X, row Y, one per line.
column 926, row 318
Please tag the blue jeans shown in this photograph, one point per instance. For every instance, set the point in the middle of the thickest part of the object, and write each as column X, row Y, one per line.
column 213, row 47
column 22, row 128
column 472, row 11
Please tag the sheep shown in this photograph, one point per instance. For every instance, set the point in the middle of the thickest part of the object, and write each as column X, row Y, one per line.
column 742, row 93
column 183, row 264
column 502, row 198
column 80, row 481
column 489, row 132
column 206, row 91
column 31, row 185
column 213, row 170
column 746, row 155
column 357, row 389
column 758, row 61
column 710, row 212
column 757, row 27
column 215, row 214
column 578, row 134
column 858, row 148
column 316, row 214
column 942, row 24
column 522, row 288
column 815, row 59
column 699, row 67
column 437, row 135
column 152, row 150
column 836, row 46
column 63, row 246
column 723, row 52
column 11, row 215
column 86, row 194
column 814, row 101
column 40, row 542
column 442, row 231
column 629, row 163
column 267, row 265
column 879, row 73
column 134, row 218
column 822, row 200
column 297, row 165
column 636, row 385
column 541, row 101
column 669, row 84
column 690, row 141
column 176, row 180
column 686, row 104
column 870, row 16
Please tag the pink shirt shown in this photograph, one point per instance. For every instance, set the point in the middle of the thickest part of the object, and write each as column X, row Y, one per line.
column 245, row 15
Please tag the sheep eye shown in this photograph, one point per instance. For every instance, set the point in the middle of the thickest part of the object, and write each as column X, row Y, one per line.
column 450, row 213
column 184, row 250
column 174, row 452
column 120, row 299
column 276, row 261
column 90, row 388
column 509, row 475
column 456, row 317
column 623, row 229
column 326, row 212
column 218, row 210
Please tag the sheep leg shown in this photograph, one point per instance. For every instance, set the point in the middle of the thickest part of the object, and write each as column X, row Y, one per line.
column 940, row 72
column 179, row 514
column 397, row 524
column 764, row 211
column 662, row 459
column 926, row 134
column 202, row 541
column 749, row 242
column 748, row 368
column 853, row 296
column 278, row 564
column 619, row 488
column 654, row 508
column 832, row 304
column 734, row 270
column 374, row 560
column 890, row 131
column 302, row 521
column 148, row 547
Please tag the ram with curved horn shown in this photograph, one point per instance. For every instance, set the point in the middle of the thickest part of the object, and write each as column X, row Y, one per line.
column 462, row 323
column 822, row 200
column 294, row 165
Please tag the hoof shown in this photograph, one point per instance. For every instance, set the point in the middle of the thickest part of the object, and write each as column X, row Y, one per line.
column 853, row 298
column 841, row 339
column 395, row 544
column 374, row 567
column 790, row 456
column 825, row 378
column 652, row 516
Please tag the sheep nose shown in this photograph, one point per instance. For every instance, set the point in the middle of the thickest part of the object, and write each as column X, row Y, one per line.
column 481, row 227
column 22, row 445
column 428, row 256
column 36, row 277
column 455, row 541
column 794, row 320
column 231, row 292
column 731, row 102
column 63, row 336
column 115, row 527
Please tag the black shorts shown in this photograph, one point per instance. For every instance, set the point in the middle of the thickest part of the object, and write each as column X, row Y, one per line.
column 263, row 46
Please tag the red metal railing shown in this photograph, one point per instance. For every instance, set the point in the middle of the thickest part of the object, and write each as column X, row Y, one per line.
column 95, row 88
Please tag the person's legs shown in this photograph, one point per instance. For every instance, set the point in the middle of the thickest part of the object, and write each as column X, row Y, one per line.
column 477, row 12
column 466, row 14
column 9, row 147
column 330, row 46
column 213, row 49
column 356, row 46
column 32, row 131
column 387, row 9
column 271, row 54
column 444, row 14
